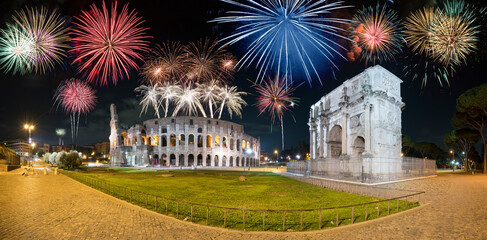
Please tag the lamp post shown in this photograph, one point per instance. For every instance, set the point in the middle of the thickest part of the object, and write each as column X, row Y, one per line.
column 29, row 127
column 277, row 154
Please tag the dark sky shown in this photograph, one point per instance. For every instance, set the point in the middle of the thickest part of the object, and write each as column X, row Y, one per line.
column 28, row 98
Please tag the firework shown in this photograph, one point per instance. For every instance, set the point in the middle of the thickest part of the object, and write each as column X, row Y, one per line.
column 453, row 36
column 275, row 97
column 48, row 32
column 60, row 132
column 167, row 62
column 188, row 99
column 108, row 43
column 379, row 34
column 169, row 92
column 206, row 61
column 286, row 37
column 16, row 50
column 75, row 97
column 420, row 67
column 151, row 95
column 232, row 100
column 419, row 30
column 210, row 94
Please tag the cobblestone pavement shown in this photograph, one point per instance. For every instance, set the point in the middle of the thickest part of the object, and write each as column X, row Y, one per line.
column 57, row 207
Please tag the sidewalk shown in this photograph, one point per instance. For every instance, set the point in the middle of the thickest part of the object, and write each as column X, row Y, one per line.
column 57, row 207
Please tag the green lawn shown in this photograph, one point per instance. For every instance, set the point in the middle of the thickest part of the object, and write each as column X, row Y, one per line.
column 261, row 190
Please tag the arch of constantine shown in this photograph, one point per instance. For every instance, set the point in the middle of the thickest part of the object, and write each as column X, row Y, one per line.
column 355, row 130
column 182, row 141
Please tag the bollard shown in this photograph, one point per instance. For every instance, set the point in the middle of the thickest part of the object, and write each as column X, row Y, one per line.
column 55, row 171
column 45, row 171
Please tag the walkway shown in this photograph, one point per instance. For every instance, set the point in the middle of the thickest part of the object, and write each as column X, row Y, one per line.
column 57, row 207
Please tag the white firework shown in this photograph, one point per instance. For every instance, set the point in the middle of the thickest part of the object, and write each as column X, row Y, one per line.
column 188, row 99
column 151, row 96
column 232, row 100
column 210, row 94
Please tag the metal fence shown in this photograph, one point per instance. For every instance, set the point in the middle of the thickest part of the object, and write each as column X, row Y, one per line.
column 365, row 170
column 264, row 219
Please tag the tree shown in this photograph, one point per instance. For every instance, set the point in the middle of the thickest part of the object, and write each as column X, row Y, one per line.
column 407, row 145
column 46, row 157
column 472, row 113
column 462, row 141
column 69, row 160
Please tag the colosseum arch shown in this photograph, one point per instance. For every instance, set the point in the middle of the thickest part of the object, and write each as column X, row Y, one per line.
column 182, row 139
column 237, row 162
column 190, row 160
column 181, row 160
column 199, row 160
column 217, row 141
column 208, row 160
column 200, row 141
column 243, row 145
column 172, row 140
column 231, row 144
column 238, row 144
column 164, row 140
column 172, row 159
column 231, row 161
column 134, row 142
column 224, row 142
column 191, row 139
column 208, row 141
column 155, row 140
column 216, row 161
column 334, row 141
column 164, row 160
column 224, row 161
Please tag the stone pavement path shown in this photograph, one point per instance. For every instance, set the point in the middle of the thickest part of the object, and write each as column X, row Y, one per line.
column 57, row 207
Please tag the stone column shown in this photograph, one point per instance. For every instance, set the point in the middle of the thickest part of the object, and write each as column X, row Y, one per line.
column 367, row 119
column 344, row 134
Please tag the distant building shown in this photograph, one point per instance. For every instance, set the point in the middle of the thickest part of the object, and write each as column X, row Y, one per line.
column 9, row 160
column 60, row 148
column 42, row 148
column 21, row 146
column 102, row 148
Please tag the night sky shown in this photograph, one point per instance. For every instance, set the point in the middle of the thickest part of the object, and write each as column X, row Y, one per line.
column 28, row 98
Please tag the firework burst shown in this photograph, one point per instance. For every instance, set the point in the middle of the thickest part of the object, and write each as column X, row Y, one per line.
column 48, row 32
column 379, row 34
column 188, row 99
column 275, row 97
column 207, row 61
column 231, row 98
column 210, row 94
column 419, row 30
column 454, row 35
column 151, row 96
column 286, row 35
column 16, row 50
column 75, row 97
column 167, row 62
column 108, row 43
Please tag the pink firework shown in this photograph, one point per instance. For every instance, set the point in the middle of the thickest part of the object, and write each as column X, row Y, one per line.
column 274, row 97
column 107, row 43
column 76, row 96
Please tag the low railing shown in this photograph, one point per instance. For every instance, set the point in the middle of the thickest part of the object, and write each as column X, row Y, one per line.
column 256, row 219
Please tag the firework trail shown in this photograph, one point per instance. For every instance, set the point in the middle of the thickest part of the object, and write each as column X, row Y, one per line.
column 378, row 34
column 275, row 97
column 286, row 36
column 108, row 43
column 75, row 97
column 232, row 100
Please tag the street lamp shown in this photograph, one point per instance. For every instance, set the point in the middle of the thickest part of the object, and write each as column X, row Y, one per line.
column 29, row 127
column 276, row 152
column 298, row 156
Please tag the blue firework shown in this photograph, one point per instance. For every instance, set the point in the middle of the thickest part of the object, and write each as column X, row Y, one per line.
column 287, row 36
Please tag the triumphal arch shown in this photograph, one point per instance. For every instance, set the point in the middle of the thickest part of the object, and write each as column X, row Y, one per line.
column 355, row 130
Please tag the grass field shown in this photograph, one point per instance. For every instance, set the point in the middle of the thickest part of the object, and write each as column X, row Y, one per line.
column 260, row 190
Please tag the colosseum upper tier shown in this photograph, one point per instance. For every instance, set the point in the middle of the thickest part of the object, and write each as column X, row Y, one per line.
column 182, row 141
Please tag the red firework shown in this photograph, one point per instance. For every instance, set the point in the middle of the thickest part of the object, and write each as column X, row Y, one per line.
column 274, row 97
column 76, row 96
column 108, row 43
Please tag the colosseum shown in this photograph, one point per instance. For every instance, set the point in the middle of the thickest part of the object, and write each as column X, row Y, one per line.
column 182, row 141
